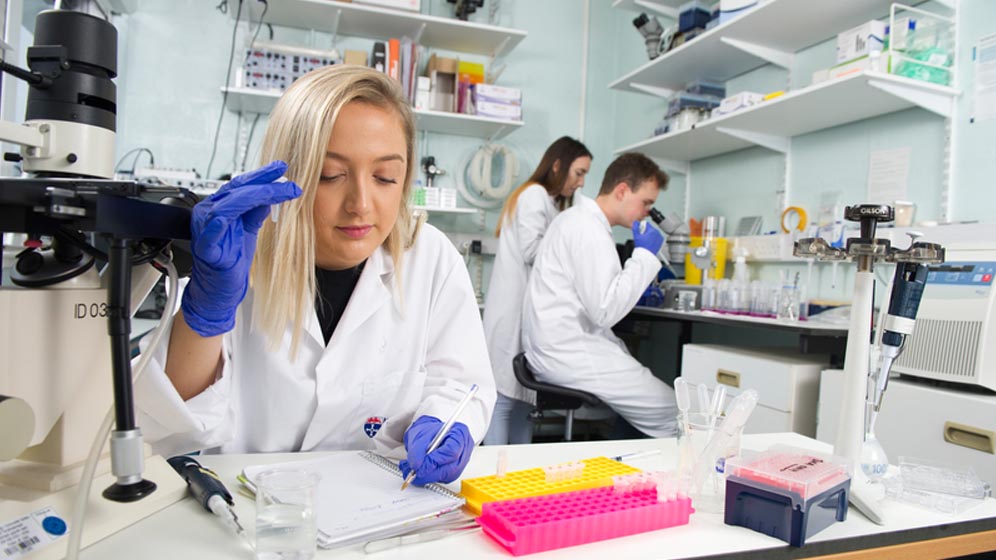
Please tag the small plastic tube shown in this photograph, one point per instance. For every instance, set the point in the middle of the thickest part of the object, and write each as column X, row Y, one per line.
column 502, row 466
column 275, row 208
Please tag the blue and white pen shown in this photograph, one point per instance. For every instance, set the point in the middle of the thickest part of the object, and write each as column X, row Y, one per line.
column 445, row 429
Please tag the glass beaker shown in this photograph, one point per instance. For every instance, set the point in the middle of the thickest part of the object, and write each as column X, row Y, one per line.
column 285, row 515
column 693, row 466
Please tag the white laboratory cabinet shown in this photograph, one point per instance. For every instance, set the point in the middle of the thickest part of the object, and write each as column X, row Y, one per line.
column 952, row 426
column 787, row 383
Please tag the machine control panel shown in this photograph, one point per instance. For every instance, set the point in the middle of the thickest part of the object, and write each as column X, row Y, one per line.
column 962, row 273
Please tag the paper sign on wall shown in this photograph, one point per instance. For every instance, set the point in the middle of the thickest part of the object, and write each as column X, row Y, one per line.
column 984, row 100
column 888, row 172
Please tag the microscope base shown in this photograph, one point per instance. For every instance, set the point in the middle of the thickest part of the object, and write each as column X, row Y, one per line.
column 103, row 518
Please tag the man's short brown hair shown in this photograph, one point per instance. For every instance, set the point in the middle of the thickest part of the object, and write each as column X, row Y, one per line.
column 632, row 169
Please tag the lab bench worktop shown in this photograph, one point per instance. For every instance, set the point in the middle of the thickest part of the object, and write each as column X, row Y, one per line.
column 185, row 530
column 810, row 327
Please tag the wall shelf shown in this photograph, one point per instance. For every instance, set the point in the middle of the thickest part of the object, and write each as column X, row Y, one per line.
column 446, row 210
column 382, row 23
column 770, row 33
column 817, row 107
column 250, row 100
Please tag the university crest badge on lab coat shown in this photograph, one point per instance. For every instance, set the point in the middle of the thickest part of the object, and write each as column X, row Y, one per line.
column 372, row 425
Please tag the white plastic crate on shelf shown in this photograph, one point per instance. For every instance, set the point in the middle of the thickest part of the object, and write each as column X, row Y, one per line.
column 762, row 248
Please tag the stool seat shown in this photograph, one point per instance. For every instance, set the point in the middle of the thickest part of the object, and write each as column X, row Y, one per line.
column 552, row 397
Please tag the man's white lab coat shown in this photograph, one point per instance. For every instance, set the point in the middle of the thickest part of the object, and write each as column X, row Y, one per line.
column 390, row 360
column 577, row 291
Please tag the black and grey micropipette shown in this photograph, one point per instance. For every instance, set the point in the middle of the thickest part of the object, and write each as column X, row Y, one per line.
column 207, row 489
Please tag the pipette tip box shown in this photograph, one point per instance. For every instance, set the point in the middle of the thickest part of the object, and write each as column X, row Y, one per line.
column 538, row 523
column 598, row 471
column 786, row 493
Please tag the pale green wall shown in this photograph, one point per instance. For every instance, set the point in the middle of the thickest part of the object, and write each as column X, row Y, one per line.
column 747, row 182
column 173, row 57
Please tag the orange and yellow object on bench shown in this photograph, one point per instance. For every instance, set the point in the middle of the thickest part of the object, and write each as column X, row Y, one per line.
column 597, row 472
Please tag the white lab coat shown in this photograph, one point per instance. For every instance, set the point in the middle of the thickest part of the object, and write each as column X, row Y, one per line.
column 392, row 358
column 517, row 245
column 577, row 291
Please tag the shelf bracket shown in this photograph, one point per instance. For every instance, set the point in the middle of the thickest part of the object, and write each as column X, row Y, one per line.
column 653, row 7
column 772, row 142
column 500, row 49
column 938, row 104
column 496, row 134
column 656, row 91
column 418, row 34
column 675, row 165
column 774, row 56
column 335, row 27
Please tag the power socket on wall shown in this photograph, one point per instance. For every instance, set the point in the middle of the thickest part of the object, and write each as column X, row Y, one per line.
column 487, row 243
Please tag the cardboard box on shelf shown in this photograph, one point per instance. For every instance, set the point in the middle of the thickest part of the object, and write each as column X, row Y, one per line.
column 860, row 41
column 499, row 111
column 358, row 58
column 874, row 63
column 499, row 94
column 442, row 73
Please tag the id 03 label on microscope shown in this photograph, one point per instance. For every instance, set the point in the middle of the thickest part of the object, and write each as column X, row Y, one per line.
column 30, row 533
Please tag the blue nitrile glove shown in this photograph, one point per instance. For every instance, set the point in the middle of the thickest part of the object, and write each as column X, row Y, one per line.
column 650, row 239
column 652, row 297
column 445, row 463
column 223, row 230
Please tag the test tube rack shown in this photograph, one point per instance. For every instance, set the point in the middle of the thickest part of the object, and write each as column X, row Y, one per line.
column 597, row 472
column 538, row 523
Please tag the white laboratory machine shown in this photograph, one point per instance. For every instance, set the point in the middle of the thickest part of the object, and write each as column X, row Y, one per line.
column 787, row 383
column 954, row 339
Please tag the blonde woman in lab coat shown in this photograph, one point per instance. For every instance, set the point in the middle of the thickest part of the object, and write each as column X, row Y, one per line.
column 358, row 328
column 523, row 220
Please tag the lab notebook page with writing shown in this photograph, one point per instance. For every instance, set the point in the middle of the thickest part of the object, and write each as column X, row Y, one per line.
column 359, row 498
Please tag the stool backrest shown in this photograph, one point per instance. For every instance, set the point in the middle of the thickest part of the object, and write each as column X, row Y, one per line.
column 523, row 374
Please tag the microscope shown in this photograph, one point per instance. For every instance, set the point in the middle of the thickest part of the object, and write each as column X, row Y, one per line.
column 865, row 383
column 65, row 344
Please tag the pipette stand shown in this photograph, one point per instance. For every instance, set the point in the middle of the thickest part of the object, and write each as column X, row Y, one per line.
column 865, row 250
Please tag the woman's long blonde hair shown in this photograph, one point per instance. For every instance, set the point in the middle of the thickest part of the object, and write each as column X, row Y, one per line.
column 299, row 129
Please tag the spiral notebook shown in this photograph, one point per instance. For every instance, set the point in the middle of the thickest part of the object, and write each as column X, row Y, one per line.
column 359, row 498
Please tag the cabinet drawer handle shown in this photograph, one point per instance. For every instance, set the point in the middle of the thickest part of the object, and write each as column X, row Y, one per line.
column 727, row 377
column 970, row 437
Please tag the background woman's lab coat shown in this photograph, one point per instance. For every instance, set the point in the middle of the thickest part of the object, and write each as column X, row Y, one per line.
column 517, row 245
column 577, row 291
column 392, row 358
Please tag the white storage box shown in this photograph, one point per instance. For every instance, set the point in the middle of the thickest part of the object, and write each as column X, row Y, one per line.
column 499, row 94
column 499, row 111
column 952, row 426
column 787, row 383
column 413, row 5
column 738, row 101
column 861, row 41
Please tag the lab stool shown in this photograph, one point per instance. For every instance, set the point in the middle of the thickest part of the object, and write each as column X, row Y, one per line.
column 553, row 397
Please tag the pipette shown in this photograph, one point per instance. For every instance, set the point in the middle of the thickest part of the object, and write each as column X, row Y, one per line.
column 207, row 489
column 737, row 414
column 684, row 399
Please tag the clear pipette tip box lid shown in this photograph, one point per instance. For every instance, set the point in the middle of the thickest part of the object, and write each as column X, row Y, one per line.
column 802, row 472
column 787, row 493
